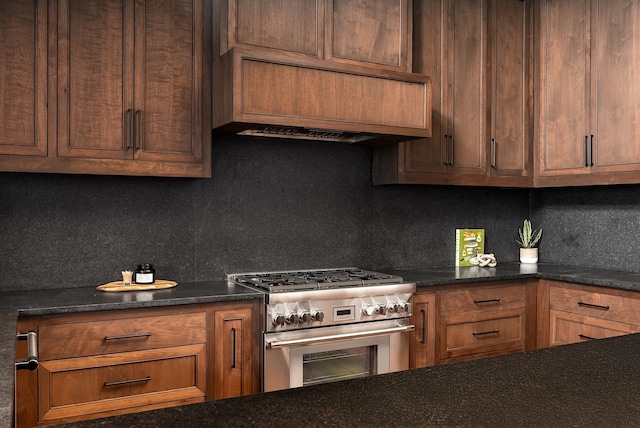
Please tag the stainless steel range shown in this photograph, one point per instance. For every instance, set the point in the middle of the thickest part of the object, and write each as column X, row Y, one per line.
column 330, row 324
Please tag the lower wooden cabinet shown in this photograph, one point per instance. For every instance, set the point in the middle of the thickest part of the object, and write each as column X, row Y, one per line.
column 97, row 364
column 234, row 353
column 566, row 328
column 422, row 352
column 474, row 320
column 570, row 313
column 485, row 319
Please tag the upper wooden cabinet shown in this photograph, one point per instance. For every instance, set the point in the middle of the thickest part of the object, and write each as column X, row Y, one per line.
column 375, row 32
column 478, row 56
column 588, row 91
column 23, row 78
column 128, row 88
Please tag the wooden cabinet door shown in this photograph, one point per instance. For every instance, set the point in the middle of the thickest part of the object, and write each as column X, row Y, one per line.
column 427, row 154
column 616, row 64
column 288, row 25
column 374, row 32
column 564, row 34
column 233, row 352
column 510, row 96
column 94, row 82
column 450, row 47
column 422, row 351
column 169, row 99
column 464, row 82
column 23, row 77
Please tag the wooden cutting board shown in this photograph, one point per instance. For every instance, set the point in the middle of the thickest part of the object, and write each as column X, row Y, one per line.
column 119, row 286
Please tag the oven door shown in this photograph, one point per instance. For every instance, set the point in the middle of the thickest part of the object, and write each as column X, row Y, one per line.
column 327, row 354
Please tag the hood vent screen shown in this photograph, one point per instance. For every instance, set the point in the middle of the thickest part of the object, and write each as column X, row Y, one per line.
column 298, row 133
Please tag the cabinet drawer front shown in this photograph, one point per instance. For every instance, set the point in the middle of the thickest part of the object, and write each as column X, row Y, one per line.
column 81, row 386
column 78, row 339
column 571, row 328
column 482, row 299
column 472, row 335
column 597, row 305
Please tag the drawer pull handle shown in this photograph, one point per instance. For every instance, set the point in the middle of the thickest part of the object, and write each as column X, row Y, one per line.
column 482, row 333
column 584, row 336
column 31, row 362
column 496, row 300
column 591, row 305
column 126, row 382
column 233, row 348
column 128, row 336
column 424, row 319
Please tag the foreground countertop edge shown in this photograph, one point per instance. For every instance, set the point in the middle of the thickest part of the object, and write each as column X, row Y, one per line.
column 57, row 301
column 584, row 384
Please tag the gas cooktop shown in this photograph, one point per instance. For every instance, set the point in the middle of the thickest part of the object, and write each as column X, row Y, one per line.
column 297, row 280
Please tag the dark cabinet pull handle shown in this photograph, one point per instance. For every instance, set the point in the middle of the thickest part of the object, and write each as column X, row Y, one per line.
column 233, row 348
column 125, row 382
column 139, row 120
column 584, row 336
column 452, row 146
column 493, row 153
column 128, row 336
column 129, row 137
column 591, row 151
column 591, row 305
column 424, row 321
column 446, row 149
column 31, row 362
column 586, row 152
column 482, row 333
column 477, row 302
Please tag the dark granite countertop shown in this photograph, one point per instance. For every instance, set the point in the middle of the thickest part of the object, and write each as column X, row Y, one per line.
column 53, row 301
column 586, row 384
column 504, row 271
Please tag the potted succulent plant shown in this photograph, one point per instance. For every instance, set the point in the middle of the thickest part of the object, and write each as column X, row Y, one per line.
column 528, row 240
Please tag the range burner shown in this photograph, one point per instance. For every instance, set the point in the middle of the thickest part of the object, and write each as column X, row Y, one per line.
column 284, row 281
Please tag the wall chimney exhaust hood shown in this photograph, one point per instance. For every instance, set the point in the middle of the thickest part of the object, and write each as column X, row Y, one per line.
column 274, row 94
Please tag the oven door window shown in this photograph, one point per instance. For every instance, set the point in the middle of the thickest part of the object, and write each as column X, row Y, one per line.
column 339, row 361
column 329, row 366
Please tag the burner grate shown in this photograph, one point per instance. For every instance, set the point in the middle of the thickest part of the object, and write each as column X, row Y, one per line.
column 274, row 282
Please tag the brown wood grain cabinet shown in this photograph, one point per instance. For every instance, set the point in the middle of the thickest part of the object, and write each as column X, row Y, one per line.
column 478, row 56
column 23, row 78
column 572, row 313
column 106, row 363
column 588, row 87
column 128, row 88
column 372, row 32
column 479, row 320
column 235, row 359
column 422, row 352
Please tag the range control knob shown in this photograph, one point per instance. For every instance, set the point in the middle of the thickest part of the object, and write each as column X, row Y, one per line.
column 277, row 319
column 368, row 309
column 393, row 307
column 381, row 309
column 292, row 318
column 405, row 307
column 304, row 316
column 317, row 315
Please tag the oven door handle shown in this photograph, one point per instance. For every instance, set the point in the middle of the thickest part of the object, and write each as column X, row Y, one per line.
column 320, row 339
